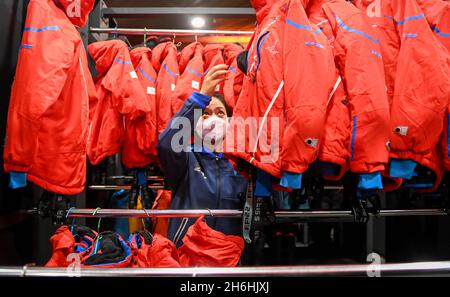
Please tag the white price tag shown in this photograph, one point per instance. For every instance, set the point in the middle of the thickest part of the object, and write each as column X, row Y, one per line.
column 195, row 85
column 151, row 91
column 173, row 87
column 133, row 74
column 217, row 88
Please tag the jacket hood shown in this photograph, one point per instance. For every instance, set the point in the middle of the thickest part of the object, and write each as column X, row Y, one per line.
column 210, row 51
column 76, row 10
column 195, row 48
column 105, row 52
column 230, row 51
column 160, row 52
column 138, row 53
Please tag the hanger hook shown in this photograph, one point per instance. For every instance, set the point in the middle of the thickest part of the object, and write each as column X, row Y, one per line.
column 145, row 36
column 196, row 37
column 99, row 220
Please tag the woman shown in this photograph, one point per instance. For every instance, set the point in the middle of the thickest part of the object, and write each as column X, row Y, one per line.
column 199, row 176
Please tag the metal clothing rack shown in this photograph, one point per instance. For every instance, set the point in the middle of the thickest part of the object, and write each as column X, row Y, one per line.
column 176, row 32
column 393, row 269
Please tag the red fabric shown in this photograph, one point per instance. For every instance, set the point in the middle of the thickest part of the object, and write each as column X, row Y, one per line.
column 121, row 98
column 213, row 56
column 191, row 68
column 232, row 87
column 162, row 201
column 203, row 246
column 77, row 11
column 282, row 83
column 62, row 246
column 165, row 62
column 362, row 73
column 48, row 117
column 139, row 145
column 418, row 86
column 160, row 253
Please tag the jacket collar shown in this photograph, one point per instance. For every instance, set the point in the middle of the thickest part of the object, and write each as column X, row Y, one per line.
column 76, row 10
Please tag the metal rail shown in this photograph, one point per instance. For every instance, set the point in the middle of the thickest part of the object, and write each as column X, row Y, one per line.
column 231, row 213
column 415, row 268
column 142, row 12
column 132, row 31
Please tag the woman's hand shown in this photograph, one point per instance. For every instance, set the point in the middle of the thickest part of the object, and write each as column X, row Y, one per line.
column 215, row 76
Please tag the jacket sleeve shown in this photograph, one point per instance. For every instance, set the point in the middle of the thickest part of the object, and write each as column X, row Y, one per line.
column 41, row 72
column 171, row 147
column 422, row 84
column 361, row 67
column 309, row 72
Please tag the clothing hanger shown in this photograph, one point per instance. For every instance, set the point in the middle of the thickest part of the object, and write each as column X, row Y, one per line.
column 145, row 37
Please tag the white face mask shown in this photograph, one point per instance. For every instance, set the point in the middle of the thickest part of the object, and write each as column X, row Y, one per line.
column 212, row 130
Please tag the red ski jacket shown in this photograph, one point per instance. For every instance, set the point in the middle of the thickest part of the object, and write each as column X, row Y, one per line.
column 290, row 76
column 139, row 146
column 233, row 85
column 121, row 98
column 48, row 117
column 359, row 61
column 418, row 80
column 191, row 66
column 205, row 247
column 165, row 63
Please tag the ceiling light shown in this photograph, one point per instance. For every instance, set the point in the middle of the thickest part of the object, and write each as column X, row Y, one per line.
column 198, row 22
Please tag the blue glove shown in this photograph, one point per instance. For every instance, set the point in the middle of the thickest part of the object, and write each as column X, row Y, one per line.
column 17, row 180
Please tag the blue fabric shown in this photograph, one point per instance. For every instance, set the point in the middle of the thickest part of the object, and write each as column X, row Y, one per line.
column 298, row 26
column 203, row 149
column 348, row 28
column 263, row 186
column 440, row 33
column 402, row 168
column 418, row 186
column 201, row 99
column 370, row 181
column 168, row 70
column 199, row 180
column 376, row 53
column 26, row 46
column 233, row 69
column 352, row 147
column 291, row 180
column 122, row 61
column 258, row 51
column 411, row 18
column 193, row 71
column 48, row 28
column 17, row 180
column 314, row 44
column 141, row 178
column 317, row 31
column 120, row 200
column 281, row 200
column 125, row 248
column 146, row 75
column 410, row 35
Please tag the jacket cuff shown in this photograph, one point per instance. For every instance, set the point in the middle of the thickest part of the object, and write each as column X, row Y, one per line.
column 201, row 99
column 17, row 179
column 370, row 181
column 291, row 180
column 402, row 168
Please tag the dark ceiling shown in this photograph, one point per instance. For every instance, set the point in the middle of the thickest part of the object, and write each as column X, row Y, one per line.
column 242, row 23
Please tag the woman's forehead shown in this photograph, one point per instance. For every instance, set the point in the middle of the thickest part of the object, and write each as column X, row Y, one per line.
column 215, row 103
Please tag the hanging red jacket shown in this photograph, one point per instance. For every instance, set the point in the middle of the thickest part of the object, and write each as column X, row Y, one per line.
column 290, row 75
column 153, row 251
column 121, row 98
column 191, row 66
column 418, row 86
column 205, row 247
column 165, row 63
column 362, row 72
column 139, row 145
column 213, row 55
column 48, row 117
column 232, row 86
column 437, row 13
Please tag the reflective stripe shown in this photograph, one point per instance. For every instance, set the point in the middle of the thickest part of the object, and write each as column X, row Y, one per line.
column 345, row 27
column 298, row 26
column 122, row 62
column 26, row 46
column 272, row 102
column 439, row 32
column 411, row 18
column 352, row 148
column 168, row 71
column 193, row 71
column 317, row 31
column 258, row 51
column 314, row 44
column 410, row 35
column 146, row 75
column 233, row 69
column 376, row 53
column 48, row 28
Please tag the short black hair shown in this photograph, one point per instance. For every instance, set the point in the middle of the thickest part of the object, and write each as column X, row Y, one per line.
column 224, row 102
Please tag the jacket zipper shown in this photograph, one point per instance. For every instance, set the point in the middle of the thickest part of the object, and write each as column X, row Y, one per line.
column 217, row 188
column 87, row 99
